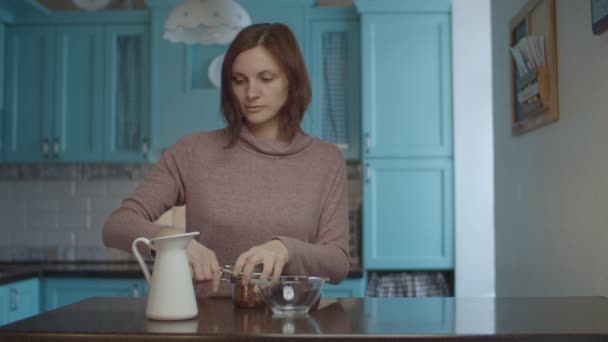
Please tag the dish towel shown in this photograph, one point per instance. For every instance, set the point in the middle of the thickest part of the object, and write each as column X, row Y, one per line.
column 408, row 284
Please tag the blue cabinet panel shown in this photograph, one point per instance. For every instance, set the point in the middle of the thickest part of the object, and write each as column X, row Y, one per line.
column 24, row 299
column 408, row 216
column 407, row 135
column 62, row 81
column 126, row 105
column 407, row 85
column 19, row 300
column 346, row 289
column 3, row 305
column 77, row 134
column 2, row 105
column 63, row 291
column 29, row 104
column 335, row 111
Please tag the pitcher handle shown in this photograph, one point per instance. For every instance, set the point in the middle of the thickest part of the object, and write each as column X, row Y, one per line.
column 140, row 260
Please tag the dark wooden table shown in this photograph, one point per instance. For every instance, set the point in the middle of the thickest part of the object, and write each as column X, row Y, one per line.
column 477, row 319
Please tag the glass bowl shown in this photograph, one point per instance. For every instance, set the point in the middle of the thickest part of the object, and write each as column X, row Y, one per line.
column 290, row 295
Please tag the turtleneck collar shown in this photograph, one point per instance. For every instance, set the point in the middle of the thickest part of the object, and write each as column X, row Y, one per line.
column 273, row 148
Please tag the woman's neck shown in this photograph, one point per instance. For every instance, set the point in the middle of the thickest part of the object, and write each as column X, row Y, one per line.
column 265, row 132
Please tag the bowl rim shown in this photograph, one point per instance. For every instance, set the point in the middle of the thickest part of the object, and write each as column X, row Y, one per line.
column 293, row 278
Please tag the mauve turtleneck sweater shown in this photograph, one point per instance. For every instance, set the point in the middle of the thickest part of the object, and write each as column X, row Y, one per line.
column 245, row 195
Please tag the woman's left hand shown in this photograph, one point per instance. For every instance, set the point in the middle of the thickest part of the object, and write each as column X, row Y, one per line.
column 272, row 254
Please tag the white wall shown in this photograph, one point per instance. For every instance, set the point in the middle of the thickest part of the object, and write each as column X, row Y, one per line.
column 473, row 150
column 552, row 183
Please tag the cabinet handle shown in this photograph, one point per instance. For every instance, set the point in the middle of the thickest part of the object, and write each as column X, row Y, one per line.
column 135, row 293
column 144, row 147
column 14, row 293
column 56, row 148
column 368, row 142
column 368, row 173
column 45, row 148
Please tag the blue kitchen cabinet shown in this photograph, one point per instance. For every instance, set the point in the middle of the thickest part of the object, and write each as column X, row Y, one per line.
column 76, row 92
column 77, row 121
column 346, row 289
column 126, row 105
column 407, row 103
column 408, row 214
column 29, row 101
column 60, row 291
column 407, row 135
column 335, row 66
column 19, row 300
column 52, row 96
column 2, row 106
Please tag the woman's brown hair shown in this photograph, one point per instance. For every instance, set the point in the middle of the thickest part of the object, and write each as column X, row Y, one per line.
column 278, row 39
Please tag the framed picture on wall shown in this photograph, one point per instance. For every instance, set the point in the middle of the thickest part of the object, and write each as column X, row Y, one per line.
column 534, row 88
column 599, row 16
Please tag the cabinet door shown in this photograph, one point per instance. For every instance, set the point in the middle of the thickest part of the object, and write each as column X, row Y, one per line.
column 126, row 93
column 335, row 71
column 29, row 104
column 23, row 299
column 406, row 84
column 78, row 129
column 348, row 288
column 3, row 305
column 63, row 291
column 2, row 105
column 407, row 216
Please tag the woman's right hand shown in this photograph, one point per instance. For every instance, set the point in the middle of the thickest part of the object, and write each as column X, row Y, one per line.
column 203, row 264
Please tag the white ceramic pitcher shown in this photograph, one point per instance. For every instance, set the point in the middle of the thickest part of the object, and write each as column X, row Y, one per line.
column 171, row 294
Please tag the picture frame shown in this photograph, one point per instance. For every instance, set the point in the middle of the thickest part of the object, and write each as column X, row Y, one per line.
column 599, row 16
column 536, row 18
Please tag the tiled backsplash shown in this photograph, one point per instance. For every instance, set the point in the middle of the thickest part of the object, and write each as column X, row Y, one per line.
column 56, row 212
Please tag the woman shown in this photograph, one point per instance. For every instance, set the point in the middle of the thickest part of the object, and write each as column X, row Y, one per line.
column 260, row 190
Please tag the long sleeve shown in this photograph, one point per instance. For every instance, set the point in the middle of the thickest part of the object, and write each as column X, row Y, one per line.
column 162, row 189
column 328, row 255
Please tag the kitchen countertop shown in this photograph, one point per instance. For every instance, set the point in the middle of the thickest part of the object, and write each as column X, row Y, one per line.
column 447, row 318
column 10, row 272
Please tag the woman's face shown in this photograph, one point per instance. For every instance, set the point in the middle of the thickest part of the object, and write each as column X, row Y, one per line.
column 261, row 87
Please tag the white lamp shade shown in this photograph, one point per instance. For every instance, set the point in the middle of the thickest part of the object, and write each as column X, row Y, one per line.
column 205, row 22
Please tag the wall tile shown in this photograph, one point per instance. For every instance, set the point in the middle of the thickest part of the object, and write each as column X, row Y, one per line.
column 13, row 222
column 74, row 221
column 37, row 205
column 57, row 189
column 5, row 239
column 41, row 221
column 120, row 188
column 26, row 189
column 93, row 189
column 26, row 239
column 59, row 238
column 74, row 205
column 7, row 190
column 89, row 238
column 105, row 206
column 12, row 207
column 97, row 221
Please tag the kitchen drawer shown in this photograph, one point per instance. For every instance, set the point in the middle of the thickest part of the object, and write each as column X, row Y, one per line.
column 19, row 300
column 62, row 291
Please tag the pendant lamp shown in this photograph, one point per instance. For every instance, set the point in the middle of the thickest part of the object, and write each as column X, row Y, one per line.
column 205, row 22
